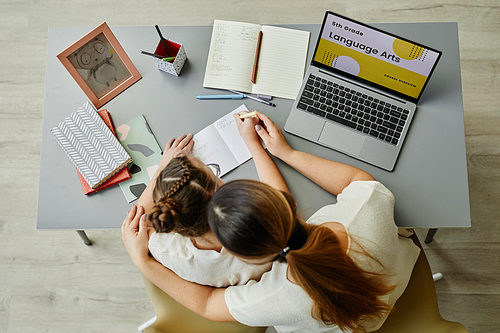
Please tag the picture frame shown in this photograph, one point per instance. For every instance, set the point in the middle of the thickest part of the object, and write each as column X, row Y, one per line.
column 99, row 65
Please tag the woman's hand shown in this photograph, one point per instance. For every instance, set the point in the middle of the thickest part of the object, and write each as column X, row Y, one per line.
column 135, row 235
column 246, row 127
column 203, row 300
column 273, row 137
column 183, row 145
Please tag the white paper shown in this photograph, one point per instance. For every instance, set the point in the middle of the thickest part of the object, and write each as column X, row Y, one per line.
column 221, row 143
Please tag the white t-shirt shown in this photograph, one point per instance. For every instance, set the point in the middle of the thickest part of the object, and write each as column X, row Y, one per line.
column 366, row 210
column 206, row 267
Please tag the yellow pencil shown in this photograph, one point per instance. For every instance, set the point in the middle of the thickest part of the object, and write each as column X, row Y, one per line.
column 249, row 114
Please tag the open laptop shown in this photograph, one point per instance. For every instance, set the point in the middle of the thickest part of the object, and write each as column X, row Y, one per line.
column 361, row 90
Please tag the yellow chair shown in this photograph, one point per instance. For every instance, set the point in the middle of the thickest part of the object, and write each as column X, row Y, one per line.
column 417, row 309
column 174, row 317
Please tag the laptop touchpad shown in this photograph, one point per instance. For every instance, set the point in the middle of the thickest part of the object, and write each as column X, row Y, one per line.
column 341, row 139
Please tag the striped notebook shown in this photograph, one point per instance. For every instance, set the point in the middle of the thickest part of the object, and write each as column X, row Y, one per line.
column 91, row 145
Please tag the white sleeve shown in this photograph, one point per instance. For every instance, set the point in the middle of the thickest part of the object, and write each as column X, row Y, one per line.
column 158, row 243
column 274, row 301
column 208, row 267
column 352, row 201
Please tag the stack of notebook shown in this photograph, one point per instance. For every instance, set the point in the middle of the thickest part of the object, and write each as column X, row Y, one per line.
column 120, row 176
column 91, row 146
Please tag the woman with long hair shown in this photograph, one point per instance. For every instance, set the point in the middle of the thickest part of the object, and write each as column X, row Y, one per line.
column 341, row 270
column 180, row 238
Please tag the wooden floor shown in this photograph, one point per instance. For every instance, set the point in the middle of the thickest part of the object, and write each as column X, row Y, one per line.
column 52, row 282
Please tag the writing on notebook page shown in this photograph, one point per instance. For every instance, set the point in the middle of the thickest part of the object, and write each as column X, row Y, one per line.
column 231, row 58
column 223, row 123
column 204, row 150
column 249, row 34
column 226, row 54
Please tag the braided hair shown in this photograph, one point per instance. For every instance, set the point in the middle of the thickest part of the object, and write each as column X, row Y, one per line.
column 181, row 194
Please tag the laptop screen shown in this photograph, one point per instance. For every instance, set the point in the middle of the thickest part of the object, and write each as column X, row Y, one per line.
column 375, row 57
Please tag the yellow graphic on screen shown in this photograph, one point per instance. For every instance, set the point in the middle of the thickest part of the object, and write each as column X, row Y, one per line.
column 407, row 51
column 371, row 68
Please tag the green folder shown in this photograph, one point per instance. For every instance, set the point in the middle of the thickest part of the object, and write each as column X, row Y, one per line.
column 139, row 141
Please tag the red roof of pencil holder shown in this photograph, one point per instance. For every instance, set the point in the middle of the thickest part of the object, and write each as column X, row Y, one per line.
column 174, row 50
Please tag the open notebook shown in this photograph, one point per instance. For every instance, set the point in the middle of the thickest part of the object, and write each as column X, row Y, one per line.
column 281, row 62
column 221, row 143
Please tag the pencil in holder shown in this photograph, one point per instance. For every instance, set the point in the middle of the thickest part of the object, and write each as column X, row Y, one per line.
column 174, row 49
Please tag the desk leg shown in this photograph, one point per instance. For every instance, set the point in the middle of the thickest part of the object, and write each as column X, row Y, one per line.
column 82, row 234
column 430, row 235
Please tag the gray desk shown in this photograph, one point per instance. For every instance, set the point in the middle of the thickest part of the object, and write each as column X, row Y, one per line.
column 429, row 181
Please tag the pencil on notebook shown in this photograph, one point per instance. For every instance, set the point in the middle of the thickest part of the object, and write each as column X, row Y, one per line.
column 256, row 60
column 248, row 115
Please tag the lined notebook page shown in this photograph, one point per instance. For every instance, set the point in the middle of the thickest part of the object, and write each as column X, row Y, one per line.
column 282, row 62
column 231, row 55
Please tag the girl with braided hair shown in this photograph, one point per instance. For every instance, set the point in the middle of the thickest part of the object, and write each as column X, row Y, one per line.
column 342, row 270
column 179, row 235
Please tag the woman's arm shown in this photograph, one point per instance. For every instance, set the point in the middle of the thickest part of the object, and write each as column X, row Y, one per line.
column 330, row 175
column 266, row 168
column 206, row 301
column 175, row 147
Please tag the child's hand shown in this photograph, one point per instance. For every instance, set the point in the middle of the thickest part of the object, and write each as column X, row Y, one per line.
column 246, row 127
column 183, row 145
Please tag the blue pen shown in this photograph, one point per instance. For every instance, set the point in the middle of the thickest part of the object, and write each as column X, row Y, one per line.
column 239, row 96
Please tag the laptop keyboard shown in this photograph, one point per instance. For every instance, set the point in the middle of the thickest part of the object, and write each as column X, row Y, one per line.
column 353, row 109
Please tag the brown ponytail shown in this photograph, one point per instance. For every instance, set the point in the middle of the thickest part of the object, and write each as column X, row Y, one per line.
column 256, row 221
column 181, row 194
column 343, row 293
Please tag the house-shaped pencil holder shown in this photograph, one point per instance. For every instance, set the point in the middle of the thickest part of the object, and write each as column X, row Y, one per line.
column 176, row 50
